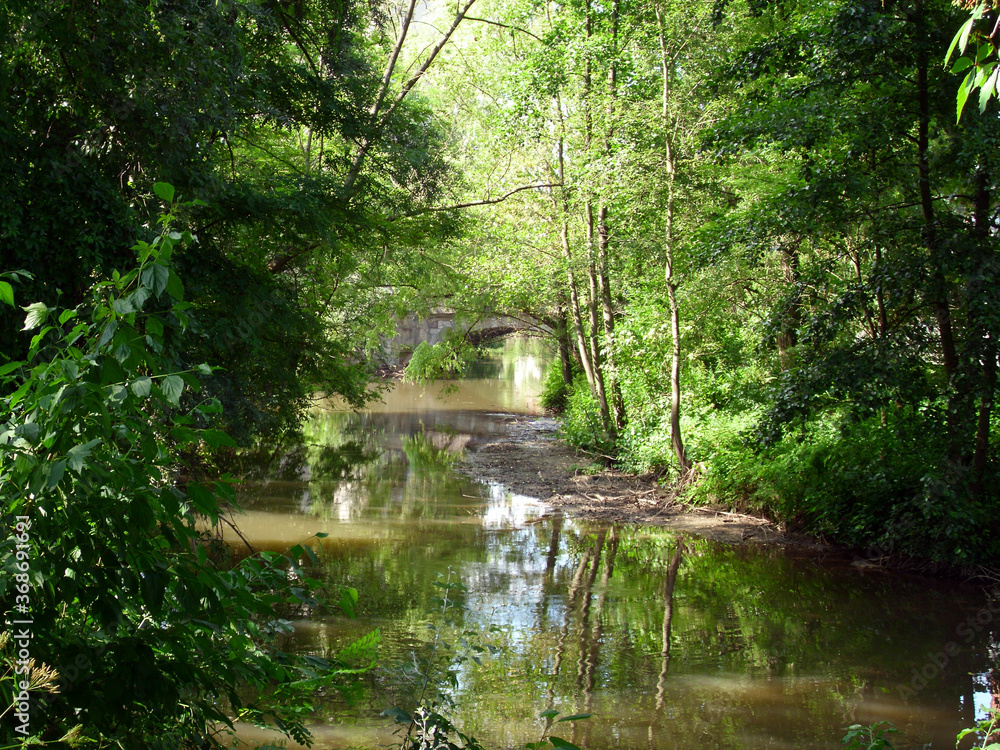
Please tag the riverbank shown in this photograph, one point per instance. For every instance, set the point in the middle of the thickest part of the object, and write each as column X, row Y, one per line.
column 531, row 460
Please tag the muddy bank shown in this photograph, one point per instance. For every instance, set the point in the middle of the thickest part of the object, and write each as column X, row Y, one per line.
column 531, row 461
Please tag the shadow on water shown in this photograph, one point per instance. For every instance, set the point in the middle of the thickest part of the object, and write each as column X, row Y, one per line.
column 670, row 642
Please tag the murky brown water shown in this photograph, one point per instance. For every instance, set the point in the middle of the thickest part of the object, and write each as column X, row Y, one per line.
column 669, row 642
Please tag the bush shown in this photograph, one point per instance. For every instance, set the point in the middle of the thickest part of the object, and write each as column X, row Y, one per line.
column 555, row 391
column 870, row 484
column 441, row 361
column 132, row 615
column 581, row 426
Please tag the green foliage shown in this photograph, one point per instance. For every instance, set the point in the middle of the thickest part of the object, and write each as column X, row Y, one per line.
column 982, row 66
column 444, row 360
column 872, row 737
column 555, row 391
column 152, row 638
column 873, row 485
column 263, row 110
column 985, row 729
column 581, row 423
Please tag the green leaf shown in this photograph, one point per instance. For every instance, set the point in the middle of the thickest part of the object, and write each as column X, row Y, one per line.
column 141, row 385
column 37, row 313
column 165, row 191
column 123, row 305
column 215, row 438
column 29, row 431
column 398, row 715
column 111, row 371
column 574, row 717
column 78, row 453
column 9, row 367
column 310, row 554
column 174, row 287
column 560, row 742
column 982, row 73
column 348, row 600
column 966, row 30
column 37, row 339
column 963, row 93
column 203, row 500
column 6, row 293
column 156, row 277
column 549, row 713
column 56, row 473
column 108, row 333
column 172, row 387
column 961, row 64
column 989, row 88
column 960, row 38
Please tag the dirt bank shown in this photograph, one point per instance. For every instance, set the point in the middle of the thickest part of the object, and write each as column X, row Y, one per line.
column 531, row 461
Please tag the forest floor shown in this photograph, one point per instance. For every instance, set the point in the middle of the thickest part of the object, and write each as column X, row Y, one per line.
column 530, row 460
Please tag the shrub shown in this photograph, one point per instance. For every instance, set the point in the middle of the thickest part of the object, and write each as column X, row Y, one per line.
column 151, row 639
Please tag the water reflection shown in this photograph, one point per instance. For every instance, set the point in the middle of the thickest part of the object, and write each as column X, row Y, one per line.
column 670, row 642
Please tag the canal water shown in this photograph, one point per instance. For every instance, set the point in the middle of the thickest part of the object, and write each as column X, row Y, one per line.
column 668, row 641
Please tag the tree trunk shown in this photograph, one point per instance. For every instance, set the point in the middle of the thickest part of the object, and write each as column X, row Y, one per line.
column 600, row 391
column 939, row 292
column 788, row 337
column 981, row 452
column 604, row 240
column 675, row 373
column 958, row 412
column 565, row 344
column 595, row 327
column 670, row 163
column 574, row 294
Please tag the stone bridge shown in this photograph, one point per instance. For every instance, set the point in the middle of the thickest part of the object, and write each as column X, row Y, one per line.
column 411, row 330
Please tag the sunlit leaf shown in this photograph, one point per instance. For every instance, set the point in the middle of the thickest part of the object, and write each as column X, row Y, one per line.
column 37, row 314
column 961, row 37
column 164, row 191
column 963, row 93
column 961, row 64
column 988, row 90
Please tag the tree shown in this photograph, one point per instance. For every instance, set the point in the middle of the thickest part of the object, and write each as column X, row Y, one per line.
column 128, row 626
column 278, row 117
column 887, row 206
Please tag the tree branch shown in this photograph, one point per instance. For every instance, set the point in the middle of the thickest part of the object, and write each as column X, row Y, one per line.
column 504, row 26
column 485, row 202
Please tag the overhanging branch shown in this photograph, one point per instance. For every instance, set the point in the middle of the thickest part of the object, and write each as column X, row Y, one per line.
column 484, row 202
